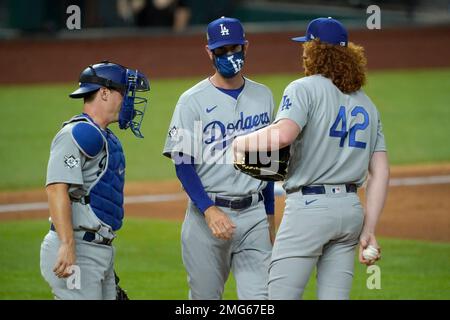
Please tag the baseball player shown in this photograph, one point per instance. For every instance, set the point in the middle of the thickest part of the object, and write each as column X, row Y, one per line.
column 336, row 139
column 229, row 218
column 85, row 180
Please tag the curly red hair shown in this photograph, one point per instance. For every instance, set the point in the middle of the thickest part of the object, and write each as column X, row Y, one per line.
column 345, row 66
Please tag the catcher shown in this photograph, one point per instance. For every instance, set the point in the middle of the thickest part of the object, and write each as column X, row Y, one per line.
column 336, row 138
column 85, row 180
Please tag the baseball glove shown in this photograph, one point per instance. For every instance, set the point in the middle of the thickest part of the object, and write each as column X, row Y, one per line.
column 120, row 293
column 266, row 166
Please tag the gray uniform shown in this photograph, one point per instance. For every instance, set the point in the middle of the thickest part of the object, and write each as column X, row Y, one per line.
column 203, row 125
column 340, row 132
column 67, row 164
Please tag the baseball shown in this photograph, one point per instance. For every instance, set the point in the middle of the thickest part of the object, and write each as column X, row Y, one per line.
column 370, row 253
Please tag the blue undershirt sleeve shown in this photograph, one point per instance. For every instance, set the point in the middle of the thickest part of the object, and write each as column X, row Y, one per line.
column 192, row 184
column 269, row 197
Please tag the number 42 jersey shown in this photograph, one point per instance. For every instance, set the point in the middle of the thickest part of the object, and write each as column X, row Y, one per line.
column 340, row 132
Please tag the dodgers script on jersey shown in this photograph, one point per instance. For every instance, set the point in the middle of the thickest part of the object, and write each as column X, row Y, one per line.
column 203, row 126
column 341, row 136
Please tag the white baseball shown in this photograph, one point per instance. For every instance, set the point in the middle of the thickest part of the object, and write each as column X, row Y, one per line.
column 370, row 253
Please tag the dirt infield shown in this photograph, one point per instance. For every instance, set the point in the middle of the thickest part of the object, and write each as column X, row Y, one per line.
column 412, row 212
column 44, row 61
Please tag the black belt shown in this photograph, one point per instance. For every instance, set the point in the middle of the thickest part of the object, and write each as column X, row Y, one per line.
column 236, row 204
column 320, row 189
column 86, row 199
column 89, row 237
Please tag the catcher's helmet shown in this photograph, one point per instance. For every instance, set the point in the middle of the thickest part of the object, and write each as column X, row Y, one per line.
column 126, row 81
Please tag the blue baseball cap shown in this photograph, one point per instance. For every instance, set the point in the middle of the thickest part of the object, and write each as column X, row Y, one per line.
column 328, row 30
column 225, row 31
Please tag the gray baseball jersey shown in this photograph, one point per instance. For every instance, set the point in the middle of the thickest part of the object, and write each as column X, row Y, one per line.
column 340, row 132
column 67, row 164
column 204, row 124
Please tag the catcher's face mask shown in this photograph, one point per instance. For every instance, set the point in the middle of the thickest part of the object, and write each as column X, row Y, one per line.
column 133, row 106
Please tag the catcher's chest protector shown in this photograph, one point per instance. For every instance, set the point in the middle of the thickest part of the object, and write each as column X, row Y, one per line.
column 106, row 193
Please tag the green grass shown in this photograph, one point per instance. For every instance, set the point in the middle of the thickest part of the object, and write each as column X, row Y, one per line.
column 149, row 263
column 415, row 113
column 33, row 114
column 413, row 106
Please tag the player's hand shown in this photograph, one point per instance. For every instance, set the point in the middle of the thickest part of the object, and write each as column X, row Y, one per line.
column 66, row 258
column 220, row 224
column 365, row 240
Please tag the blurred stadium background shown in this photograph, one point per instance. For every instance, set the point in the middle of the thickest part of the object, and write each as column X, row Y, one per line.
column 40, row 61
column 20, row 17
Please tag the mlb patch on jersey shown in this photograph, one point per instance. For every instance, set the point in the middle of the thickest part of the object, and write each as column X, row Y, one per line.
column 173, row 132
column 71, row 162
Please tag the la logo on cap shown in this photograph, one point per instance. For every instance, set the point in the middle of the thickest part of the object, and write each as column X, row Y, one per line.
column 224, row 31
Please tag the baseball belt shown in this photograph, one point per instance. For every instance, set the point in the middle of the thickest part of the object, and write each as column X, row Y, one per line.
column 89, row 236
column 236, row 204
column 320, row 189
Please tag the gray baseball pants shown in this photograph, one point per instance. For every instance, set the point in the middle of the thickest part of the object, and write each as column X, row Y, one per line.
column 316, row 231
column 208, row 260
column 96, row 263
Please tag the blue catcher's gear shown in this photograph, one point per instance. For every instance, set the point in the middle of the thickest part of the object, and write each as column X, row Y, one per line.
column 88, row 139
column 133, row 107
column 119, row 78
column 106, row 193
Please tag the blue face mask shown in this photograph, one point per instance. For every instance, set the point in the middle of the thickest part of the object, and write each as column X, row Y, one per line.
column 133, row 107
column 229, row 65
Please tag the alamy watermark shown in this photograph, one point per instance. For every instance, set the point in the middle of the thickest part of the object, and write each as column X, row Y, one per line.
column 374, row 18
column 73, row 21
column 374, row 280
column 211, row 143
column 73, row 282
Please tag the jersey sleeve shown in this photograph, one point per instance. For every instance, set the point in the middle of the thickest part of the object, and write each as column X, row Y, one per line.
column 380, row 144
column 193, row 185
column 294, row 104
column 183, row 131
column 65, row 162
column 269, row 198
